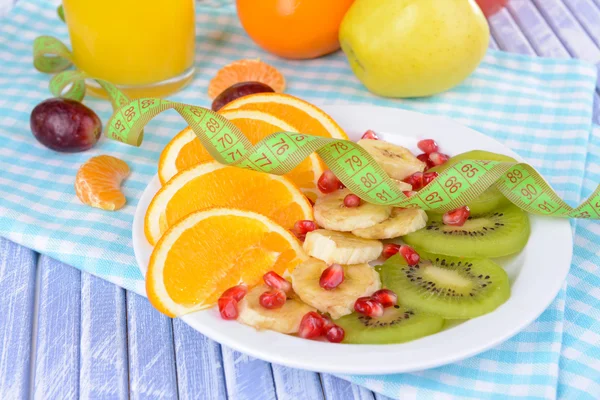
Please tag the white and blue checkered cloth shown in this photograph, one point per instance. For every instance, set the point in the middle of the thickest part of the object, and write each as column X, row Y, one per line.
column 540, row 108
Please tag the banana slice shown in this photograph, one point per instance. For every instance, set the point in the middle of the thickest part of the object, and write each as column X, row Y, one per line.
column 403, row 185
column 402, row 222
column 285, row 319
column 397, row 161
column 330, row 213
column 359, row 280
column 341, row 248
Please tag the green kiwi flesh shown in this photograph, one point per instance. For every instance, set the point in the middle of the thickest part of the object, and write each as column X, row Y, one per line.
column 492, row 198
column 451, row 287
column 498, row 233
column 397, row 324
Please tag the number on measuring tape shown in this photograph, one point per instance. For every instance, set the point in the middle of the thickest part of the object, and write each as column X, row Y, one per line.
column 433, row 197
column 368, row 180
column 452, row 184
column 354, row 162
column 469, row 170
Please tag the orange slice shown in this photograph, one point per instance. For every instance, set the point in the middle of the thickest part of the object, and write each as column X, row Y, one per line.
column 98, row 182
column 212, row 184
column 184, row 150
column 209, row 251
column 306, row 117
column 243, row 71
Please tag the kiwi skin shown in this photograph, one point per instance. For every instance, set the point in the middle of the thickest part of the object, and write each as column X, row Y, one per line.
column 492, row 198
column 451, row 287
column 398, row 324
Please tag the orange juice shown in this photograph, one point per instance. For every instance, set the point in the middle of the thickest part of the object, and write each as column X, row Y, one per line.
column 145, row 47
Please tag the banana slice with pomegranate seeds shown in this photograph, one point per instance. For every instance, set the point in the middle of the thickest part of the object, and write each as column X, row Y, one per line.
column 331, row 213
column 285, row 319
column 402, row 222
column 341, row 248
column 397, row 161
column 359, row 280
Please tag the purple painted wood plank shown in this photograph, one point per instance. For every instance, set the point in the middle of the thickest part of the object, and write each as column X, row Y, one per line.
column 295, row 384
column 103, row 355
column 507, row 34
column 58, row 328
column 199, row 364
column 17, row 288
column 588, row 15
column 542, row 38
column 151, row 354
column 247, row 378
column 493, row 44
column 339, row 389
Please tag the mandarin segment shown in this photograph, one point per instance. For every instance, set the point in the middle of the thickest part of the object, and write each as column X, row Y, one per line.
column 208, row 251
column 245, row 71
column 98, row 182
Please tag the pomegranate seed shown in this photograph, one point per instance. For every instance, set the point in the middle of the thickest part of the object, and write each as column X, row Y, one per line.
column 410, row 255
column 428, row 177
column 409, row 193
column 415, row 180
column 228, row 308
column 311, row 325
column 329, row 183
column 389, row 250
column 457, row 217
column 386, row 297
column 438, row 158
column 327, row 323
column 272, row 299
column 332, row 277
column 370, row 135
column 276, row 281
column 335, row 334
column 351, row 201
column 302, row 227
column 369, row 307
column 236, row 292
column 425, row 158
column 428, row 146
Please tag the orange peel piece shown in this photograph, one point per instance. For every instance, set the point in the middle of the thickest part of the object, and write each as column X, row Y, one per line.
column 98, row 182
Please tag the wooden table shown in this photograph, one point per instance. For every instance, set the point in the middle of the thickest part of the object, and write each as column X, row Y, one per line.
column 66, row 334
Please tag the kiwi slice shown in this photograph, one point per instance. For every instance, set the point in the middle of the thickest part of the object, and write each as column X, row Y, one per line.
column 493, row 234
column 492, row 198
column 451, row 287
column 397, row 324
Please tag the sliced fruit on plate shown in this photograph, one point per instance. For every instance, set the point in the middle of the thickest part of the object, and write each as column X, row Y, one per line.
column 208, row 251
column 331, row 213
column 497, row 233
column 98, row 182
column 245, row 71
column 359, row 280
column 184, row 150
column 340, row 247
column 401, row 222
column 212, row 184
column 492, row 198
column 397, row 324
column 397, row 161
column 285, row 319
column 306, row 117
column 451, row 287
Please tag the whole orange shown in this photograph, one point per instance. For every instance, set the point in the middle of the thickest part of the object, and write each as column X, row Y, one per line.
column 295, row 29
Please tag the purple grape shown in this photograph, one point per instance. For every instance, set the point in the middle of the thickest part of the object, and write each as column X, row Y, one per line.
column 65, row 125
column 238, row 90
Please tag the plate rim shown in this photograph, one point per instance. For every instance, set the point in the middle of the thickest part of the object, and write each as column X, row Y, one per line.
column 279, row 358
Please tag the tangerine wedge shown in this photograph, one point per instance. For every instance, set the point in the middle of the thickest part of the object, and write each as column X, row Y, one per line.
column 184, row 150
column 209, row 251
column 243, row 71
column 212, row 184
column 98, row 182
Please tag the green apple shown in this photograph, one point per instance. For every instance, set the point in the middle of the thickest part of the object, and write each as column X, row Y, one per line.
column 413, row 48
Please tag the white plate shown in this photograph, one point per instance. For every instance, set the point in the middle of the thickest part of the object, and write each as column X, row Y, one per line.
column 536, row 274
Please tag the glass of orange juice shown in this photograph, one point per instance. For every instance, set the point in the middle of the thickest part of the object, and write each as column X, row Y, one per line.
column 145, row 47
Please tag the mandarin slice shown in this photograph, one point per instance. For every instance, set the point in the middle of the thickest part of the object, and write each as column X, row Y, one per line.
column 244, row 71
column 209, row 251
column 98, row 182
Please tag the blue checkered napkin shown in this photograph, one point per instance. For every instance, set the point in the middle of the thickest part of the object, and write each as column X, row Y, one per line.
column 541, row 108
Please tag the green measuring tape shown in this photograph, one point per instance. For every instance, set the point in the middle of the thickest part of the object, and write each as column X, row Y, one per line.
column 280, row 152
